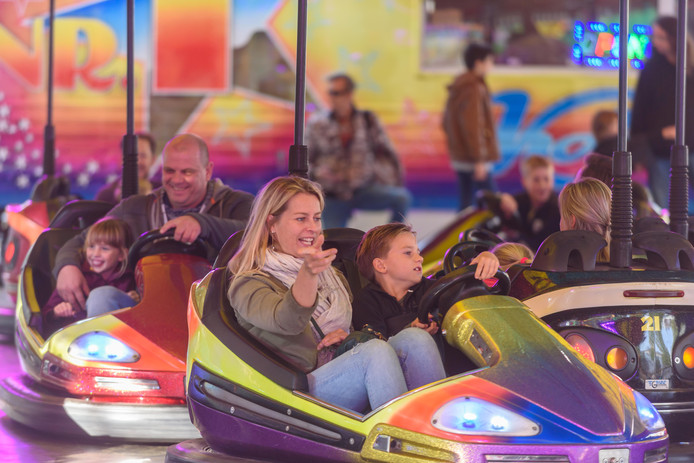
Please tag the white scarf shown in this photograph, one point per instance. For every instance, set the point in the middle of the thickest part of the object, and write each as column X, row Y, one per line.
column 334, row 310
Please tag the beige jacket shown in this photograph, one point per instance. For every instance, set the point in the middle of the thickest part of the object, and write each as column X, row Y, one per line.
column 268, row 310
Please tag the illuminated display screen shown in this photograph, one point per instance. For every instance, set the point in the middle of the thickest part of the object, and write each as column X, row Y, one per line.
column 597, row 45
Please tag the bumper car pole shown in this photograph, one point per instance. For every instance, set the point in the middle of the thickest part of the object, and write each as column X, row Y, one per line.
column 49, row 129
column 622, row 213
column 298, row 152
column 129, row 178
column 679, row 153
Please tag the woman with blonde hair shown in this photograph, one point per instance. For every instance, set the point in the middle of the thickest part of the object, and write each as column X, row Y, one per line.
column 585, row 205
column 286, row 293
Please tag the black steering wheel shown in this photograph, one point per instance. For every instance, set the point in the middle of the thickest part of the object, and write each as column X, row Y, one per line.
column 154, row 242
column 464, row 251
column 459, row 284
column 481, row 235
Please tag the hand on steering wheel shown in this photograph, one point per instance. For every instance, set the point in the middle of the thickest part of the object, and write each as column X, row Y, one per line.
column 154, row 242
column 459, row 284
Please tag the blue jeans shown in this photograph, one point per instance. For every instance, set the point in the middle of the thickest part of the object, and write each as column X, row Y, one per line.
column 373, row 198
column 375, row 372
column 106, row 299
column 469, row 187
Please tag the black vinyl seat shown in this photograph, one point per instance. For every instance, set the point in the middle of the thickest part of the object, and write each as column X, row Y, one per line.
column 665, row 250
column 80, row 214
column 229, row 248
column 569, row 250
column 40, row 262
column 346, row 241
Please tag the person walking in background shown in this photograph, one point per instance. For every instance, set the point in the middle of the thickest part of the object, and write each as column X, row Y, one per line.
column 653, row 111
column 353, row 160
column 469, row 125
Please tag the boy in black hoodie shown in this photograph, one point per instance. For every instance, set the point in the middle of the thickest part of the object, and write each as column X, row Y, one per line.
column 388, row 256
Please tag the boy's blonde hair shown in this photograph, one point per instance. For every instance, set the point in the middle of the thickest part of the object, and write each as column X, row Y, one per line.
column 375, row 244
column 588, row 200
column 271, row 200
column 511, row 253
column 113, row 232
column 535, row 162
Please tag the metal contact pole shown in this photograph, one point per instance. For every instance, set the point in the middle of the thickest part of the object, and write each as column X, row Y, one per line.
column 679, row 153
column 49, row 129
column 129, row 186
column 298, row 152
column 622, row 215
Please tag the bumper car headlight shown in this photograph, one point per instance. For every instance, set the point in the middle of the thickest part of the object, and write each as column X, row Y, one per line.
column 102, row 347
column 648, row 414
column 470, row 415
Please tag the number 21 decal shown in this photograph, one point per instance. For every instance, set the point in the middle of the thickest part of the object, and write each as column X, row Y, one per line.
column 650, row 323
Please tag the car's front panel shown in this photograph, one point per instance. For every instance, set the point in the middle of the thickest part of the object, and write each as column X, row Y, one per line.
column 642, row 331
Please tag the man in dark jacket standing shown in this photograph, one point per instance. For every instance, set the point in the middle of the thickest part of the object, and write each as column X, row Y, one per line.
column 189, row 202
column 469, row 125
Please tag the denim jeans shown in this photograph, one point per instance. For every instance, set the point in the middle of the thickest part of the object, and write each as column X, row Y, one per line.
column 469, row 187
column 374, row 372
column 106, row 299
column 373, row 198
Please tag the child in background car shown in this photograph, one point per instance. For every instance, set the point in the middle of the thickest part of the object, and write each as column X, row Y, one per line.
column 534, row 213
column 104, row 263
column 512, row 253
column 585, row 205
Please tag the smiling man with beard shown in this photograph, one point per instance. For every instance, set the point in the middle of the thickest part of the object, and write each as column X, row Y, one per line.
column 189, row 202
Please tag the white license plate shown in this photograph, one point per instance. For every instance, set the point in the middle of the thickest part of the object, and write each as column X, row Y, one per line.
column 614, row 456
column 657, row 384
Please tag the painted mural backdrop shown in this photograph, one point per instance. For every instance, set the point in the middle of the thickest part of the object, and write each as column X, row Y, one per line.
column 224, row 69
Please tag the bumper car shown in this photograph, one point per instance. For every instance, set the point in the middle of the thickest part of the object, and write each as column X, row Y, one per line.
column 22, row 224
column 484, row 224
column 119, row 375
column 532, row 397
column 636, row 322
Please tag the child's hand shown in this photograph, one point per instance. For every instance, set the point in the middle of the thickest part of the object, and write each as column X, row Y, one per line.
column 487, row 265
column 508, row 205
column 135, row 295
column 334, row 337
column 316, row 259
column 431, row 328
column 64, row 309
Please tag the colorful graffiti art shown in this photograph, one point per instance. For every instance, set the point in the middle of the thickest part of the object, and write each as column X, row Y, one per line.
column 225, row 69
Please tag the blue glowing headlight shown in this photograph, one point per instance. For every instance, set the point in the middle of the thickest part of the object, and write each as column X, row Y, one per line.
column 470, row 415
column 101, row 347
column 650, row 417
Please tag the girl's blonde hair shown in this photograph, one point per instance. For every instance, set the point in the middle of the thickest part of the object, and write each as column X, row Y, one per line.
column 112, row 232
column 588, row 201
column 511, row 253
column 271, row 200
